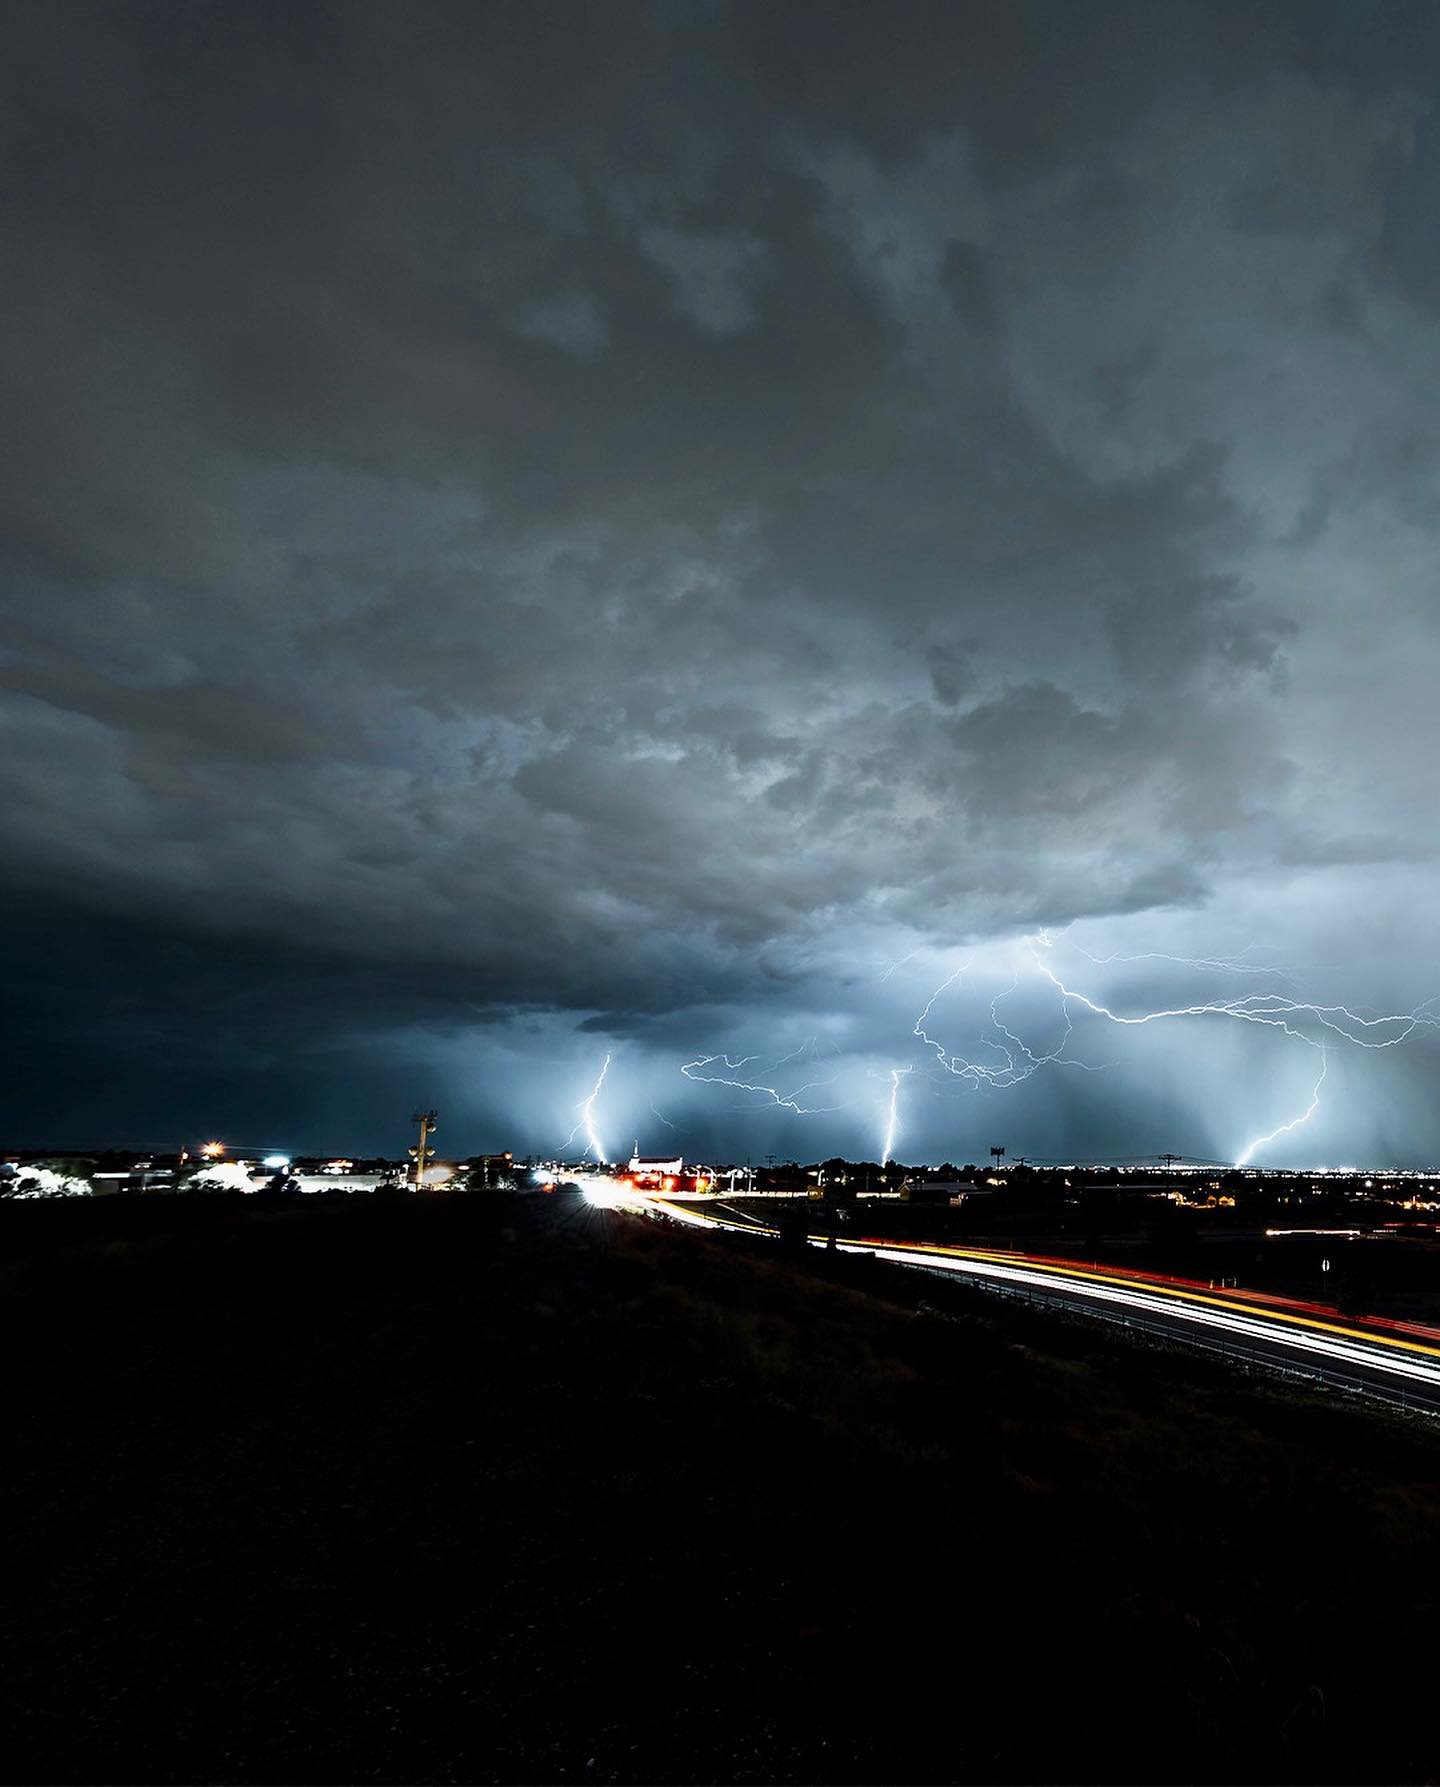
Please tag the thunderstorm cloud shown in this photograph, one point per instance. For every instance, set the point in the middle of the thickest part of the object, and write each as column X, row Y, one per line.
column 539, row 531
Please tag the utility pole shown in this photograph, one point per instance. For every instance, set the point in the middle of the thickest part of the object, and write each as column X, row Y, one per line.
column 423, row 1154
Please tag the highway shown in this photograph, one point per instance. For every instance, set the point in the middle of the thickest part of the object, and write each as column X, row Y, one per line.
column 1396, row 1361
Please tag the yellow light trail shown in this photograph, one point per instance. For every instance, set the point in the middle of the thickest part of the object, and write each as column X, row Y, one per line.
column 1311, row 1334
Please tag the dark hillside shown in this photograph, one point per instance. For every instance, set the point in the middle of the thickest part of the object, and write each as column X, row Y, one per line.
column 511, row 1490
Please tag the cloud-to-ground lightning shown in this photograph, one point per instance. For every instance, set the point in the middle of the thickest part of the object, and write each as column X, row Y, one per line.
column 887, row 1148
column 1293, row 1017
column 1010, row 1059
column 586, row 1119
column 1243, row 1158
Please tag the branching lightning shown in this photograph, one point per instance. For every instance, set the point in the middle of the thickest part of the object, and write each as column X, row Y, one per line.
column 586, row 1119
column 1293, row 1017
column 1015, row 1068
column 1009, row 1059
column 789, row 1101
column 1274, row 1009
column 664, row 1119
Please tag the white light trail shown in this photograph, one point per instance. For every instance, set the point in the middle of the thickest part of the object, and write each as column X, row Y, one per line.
column 1312, row 1340
column 1202, row 1315
column 586, row 1120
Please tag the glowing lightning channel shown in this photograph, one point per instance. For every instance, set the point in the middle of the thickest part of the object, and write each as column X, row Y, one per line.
column 1014, row 1070
column 1295, row 1122
column 1272, row 1009
column 888, row 1149
column 663, row 1118
column 1236, row 964
column 1295, row 1018
column 787, row 1101
column 586, row 1119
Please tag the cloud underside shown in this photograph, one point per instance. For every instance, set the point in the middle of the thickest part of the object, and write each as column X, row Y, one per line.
column 588, row 518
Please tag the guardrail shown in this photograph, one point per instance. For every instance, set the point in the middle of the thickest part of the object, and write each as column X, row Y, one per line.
column 1402, row 1397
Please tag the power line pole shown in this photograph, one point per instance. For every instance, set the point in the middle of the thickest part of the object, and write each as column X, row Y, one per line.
column 423, row 1154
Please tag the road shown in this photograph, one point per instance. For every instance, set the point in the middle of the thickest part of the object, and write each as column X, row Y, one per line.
column 1396, row 1361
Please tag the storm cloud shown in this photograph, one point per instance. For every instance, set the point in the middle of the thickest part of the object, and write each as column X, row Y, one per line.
column 537, row 531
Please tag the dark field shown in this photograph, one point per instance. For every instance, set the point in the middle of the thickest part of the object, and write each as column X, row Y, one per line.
column 508, row 1490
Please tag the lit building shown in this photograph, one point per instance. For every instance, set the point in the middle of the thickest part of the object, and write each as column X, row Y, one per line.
column 652, row 1175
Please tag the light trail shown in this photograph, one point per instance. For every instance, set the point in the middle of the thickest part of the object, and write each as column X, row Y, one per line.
column 1352, row 1347
column 586, row 1120
column 1313, row 1336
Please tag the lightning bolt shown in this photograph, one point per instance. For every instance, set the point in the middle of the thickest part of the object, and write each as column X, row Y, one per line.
column 1235, row 964
column 1012, row 1060
column 663, row 1118
column 1014, row 1070
column 1295, row 1122
column 892, row 1115
column 900, row 961
column 787, row 1101
column 1293, row 1017
column 586, row 1119
column 1275, row 1010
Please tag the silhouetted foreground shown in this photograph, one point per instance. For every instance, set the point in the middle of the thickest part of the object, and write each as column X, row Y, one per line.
column 509, row 1490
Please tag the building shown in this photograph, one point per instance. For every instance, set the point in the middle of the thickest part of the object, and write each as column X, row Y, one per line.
column 653, row 1175
column 942, row 1191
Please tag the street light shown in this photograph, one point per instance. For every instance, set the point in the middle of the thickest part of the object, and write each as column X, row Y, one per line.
column 423, row 1153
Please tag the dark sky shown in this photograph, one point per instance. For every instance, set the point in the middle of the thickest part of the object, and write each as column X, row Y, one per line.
column 535, row 532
